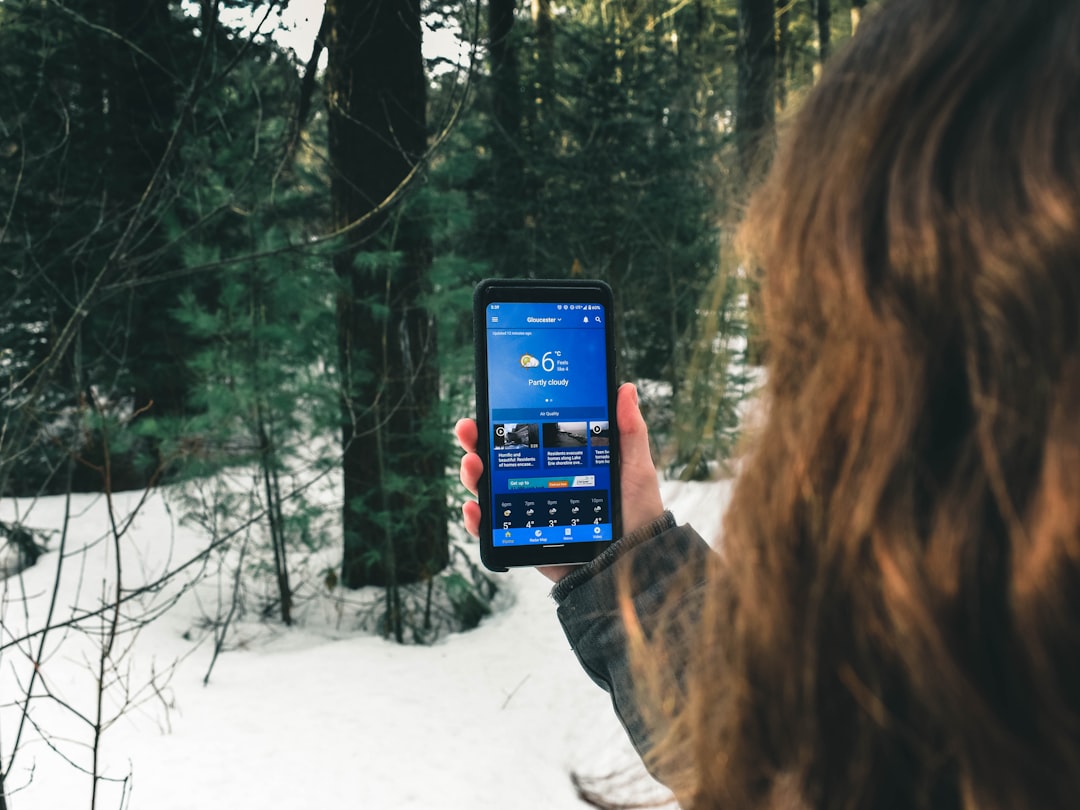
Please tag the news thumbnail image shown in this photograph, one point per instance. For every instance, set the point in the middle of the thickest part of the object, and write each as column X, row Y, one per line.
column 566, row 434
column 600, row 434
column 517, row 435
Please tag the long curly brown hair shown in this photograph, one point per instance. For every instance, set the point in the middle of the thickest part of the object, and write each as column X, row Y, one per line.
column 894, row 618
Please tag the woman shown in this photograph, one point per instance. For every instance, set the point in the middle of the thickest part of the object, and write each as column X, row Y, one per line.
column 893, row 619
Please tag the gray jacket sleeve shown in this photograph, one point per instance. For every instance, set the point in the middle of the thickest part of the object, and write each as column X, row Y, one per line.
column 659, row 557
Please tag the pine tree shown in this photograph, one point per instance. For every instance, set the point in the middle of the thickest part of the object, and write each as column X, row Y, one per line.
column 395, row 506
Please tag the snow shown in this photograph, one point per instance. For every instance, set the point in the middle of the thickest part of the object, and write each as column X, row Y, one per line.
column 318, row 715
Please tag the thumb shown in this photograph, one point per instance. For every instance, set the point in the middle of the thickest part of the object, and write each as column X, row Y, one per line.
column 641, row 501
column 633, row 432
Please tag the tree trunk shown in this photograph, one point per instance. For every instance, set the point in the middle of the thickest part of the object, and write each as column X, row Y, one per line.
column 508, row 172
column 505, row 101
column 755, row 120
column 142, row 99
column 545, row 51
column 755, row 97
column 394, row 465
column 783, row 55
column 823, row 24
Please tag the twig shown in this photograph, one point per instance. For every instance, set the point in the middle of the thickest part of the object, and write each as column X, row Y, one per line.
column 514, row 691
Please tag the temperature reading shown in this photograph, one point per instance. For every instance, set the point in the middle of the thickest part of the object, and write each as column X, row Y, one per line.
column 549, row 362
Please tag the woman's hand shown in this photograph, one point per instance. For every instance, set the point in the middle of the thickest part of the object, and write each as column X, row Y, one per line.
column 641, row 503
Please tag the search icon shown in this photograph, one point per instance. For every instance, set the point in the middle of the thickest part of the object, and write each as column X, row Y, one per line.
column 597, row 319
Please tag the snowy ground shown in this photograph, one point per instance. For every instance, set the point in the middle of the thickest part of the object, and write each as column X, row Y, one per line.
column 315, row 716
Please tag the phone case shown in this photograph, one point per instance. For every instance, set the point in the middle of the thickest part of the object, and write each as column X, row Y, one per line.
column 545, row 292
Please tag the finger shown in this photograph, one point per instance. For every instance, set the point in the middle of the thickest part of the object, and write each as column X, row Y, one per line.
column 471, row 470
column 465, row 430
column 470, row 510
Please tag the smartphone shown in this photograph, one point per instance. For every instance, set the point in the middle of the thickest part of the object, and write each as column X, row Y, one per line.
column 545, row 400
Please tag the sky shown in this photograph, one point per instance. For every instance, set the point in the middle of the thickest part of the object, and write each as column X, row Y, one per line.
column 299, row 24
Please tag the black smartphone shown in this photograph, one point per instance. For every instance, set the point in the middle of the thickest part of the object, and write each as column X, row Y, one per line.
column 545, row 400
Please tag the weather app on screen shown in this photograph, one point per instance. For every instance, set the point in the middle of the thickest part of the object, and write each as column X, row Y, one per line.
column 550, row 465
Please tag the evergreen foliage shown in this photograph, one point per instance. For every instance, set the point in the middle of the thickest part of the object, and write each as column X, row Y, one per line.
column 174, row 302
column 111, row 113
column 614, row 168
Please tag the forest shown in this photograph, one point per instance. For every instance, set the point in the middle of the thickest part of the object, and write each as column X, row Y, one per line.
column 241, row 273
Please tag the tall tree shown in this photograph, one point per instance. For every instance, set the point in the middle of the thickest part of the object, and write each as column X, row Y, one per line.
column 91, row 104
column 783, row 54
column 755, row 99
column 507, row 167
column 755, row 116
column 141, row 91
column 823, row 20
column 395, row 505
column 545, row 51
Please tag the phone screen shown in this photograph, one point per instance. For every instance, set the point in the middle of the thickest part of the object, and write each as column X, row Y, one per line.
column 550, row 429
